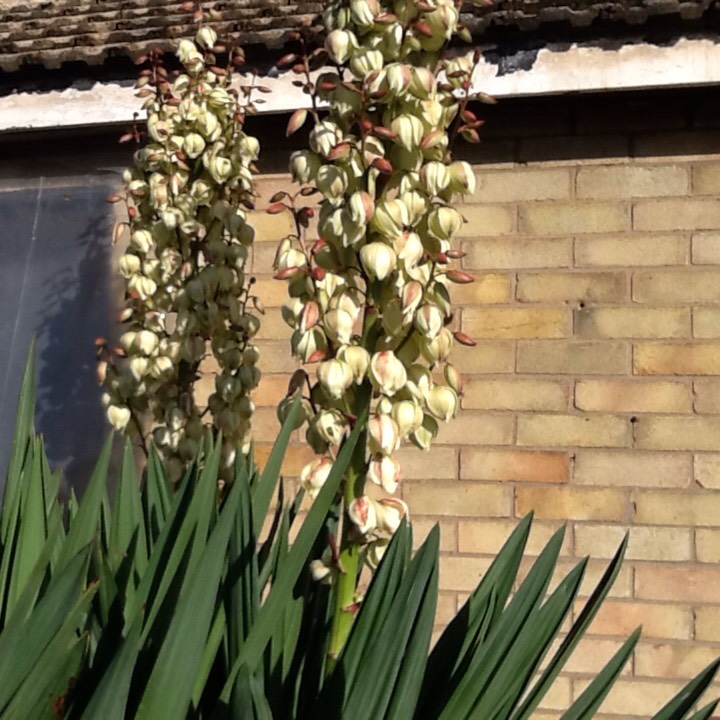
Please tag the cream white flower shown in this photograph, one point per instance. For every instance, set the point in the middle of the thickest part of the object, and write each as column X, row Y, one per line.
column 387, row 373
column 384, row 470
column 335, row 377
column 362, row 512
column 315, row 474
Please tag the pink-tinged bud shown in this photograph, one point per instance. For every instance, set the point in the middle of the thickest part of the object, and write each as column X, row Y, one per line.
column 429, row 321
column 339, row 326
column 387, row 373
column 390, row 512
column 314, row 475
column 361, row 207
column 309, row 317
column 384, row 470
column 362, row 513
column 442, row 402
column 411, row 297
column 335, row 376
column 358, row 358
column 378, row 259
column 383, row 434
column 408, row 415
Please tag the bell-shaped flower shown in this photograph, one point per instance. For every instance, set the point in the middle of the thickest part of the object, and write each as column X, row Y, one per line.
column 462, row 177
column 331, row 426
column 408, row 130
column 358, row 358
column 383, row 434
column 365, row 61
column 324, row 137
column 129, row 265
column 387, row 373
column 435, row 177
column 142, row 240
column 442, row 402
column 390, row 218
column 424, row 435
column 315, row 474
column 304, row 166
column 438, row 349
column 408, row 415
column 411, row 296
column 220, row 168
column 321, row 572
column 332, row 181
column 340, row 45
column 339, row 326
column 390, row 512
column 361, row 512
column 416, row 204
column 283, row 411
column 385, row 471
column 118, row 416
column 306, row 345
column 419, row 382
column 361, row 207
column 452, row 377
column 363, row 12
column 378, row 260
column 206, row 37
column 335, row 377
column 409, row 249
column 444, row 222
column 429, row 321
column 398, row 78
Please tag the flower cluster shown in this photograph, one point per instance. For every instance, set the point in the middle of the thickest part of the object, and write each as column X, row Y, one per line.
column 187, row 293
column 369, row 299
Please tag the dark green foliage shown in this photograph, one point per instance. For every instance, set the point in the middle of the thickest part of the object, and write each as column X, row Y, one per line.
column 164, row 604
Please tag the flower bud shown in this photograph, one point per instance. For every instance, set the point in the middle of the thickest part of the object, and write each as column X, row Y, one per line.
column 442, row 402
column 384, row 470
column 412, row 295
column 118, row 417
column 362, row 513
column 358, row 358
column 409, row 131
column 452, row 377
column 340, row 45
column 390, row 512
column 383, row 434
column 314, row 475
column 408, row 415
column 284, row 408
column 378, row 259
column 387, row 373
column 335, row 376
column 304, row 166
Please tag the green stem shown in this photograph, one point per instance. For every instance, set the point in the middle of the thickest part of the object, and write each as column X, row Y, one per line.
column 344, row 612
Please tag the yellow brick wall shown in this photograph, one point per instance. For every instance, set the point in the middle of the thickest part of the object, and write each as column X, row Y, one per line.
column 593, row 395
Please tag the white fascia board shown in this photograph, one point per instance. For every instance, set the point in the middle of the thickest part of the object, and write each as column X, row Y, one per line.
column 553, row 71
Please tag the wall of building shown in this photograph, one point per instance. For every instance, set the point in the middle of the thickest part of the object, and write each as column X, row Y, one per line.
column 593, row 395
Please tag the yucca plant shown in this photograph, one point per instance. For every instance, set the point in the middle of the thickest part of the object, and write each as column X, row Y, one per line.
column 164, row 604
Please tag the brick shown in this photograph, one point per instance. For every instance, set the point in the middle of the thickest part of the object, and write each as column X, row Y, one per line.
column 677, row 433
column 592, row 654
column 696, row 509
column 490, row 288
column 632, row 468
column 263, row 256
column 457, row 498
column 558, row 697
column 514, row 322
column 446, row 608
column 706, row 322
column 271, row 228
column 698, row 358
column 706, row 179
column 462, row 573
column 707, row 624
column 273, row 327
column 707, row 397
column 632, row 322
column 666, row 660
column 676, row 214
column 666, row 544
column 628, row 181
column 557, row 218
column 573, row 430
column 631, row 698
column 633, row 396
column 706, row 248
column 573, row 358
column 485, row 357
column 570, row 503
column 707, row 546
column 707, row 471
column 476, row 428
column 676, row 286
column 600, row 287
column 629, row 250
column 272, row 293
column 514, row 465
column 515, row 253
column 487, row 536
column 265, row 424
column 620, row 618
column 441, row 463
column 486, row 220
column 515, row 394
column 519, row 185
column 448, row 532
column 296, row 457
column 275, row 357
column 595, row 569
column 271, row 391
